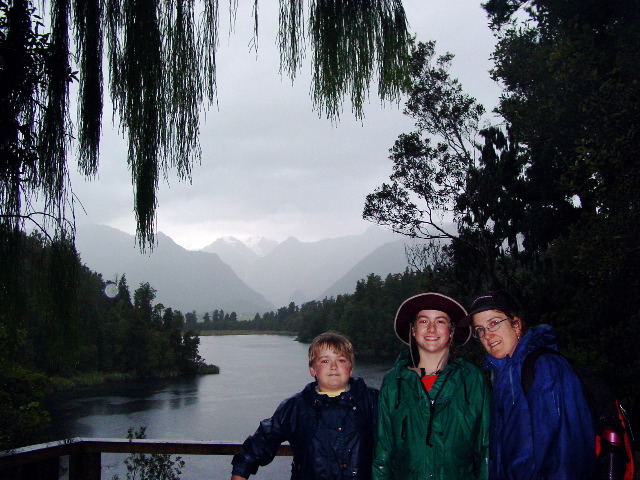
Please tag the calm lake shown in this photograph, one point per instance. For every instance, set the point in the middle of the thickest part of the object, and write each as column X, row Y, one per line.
column 257, row 372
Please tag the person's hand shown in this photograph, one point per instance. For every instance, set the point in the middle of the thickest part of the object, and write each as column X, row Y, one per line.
column 237, row 477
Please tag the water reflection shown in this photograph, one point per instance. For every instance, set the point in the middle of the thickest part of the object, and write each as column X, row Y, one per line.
column 79, row 413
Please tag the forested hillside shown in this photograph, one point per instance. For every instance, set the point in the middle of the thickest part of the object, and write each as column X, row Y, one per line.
column 96, row 329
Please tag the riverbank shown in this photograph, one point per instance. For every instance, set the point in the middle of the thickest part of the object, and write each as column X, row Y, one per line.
column 217, row 333
column 57, row 384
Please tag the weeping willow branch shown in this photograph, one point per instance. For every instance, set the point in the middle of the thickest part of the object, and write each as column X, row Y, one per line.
column 52, row 158
column 162, row 69
column 291, row 36
column 137, row 84
column 89, row 46
column 184, row 90
column 208, row 46
column 352, row 39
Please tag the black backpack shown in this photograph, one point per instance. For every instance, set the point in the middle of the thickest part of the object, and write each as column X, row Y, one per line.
column 614, row 437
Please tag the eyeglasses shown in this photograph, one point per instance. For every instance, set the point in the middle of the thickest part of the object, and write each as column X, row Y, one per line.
column 492, row 326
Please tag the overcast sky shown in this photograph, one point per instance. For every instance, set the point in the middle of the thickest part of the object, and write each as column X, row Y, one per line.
column 270, row 166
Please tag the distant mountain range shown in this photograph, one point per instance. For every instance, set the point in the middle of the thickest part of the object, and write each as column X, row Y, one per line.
column 246, row 277
column 296, row 271
column 184, row 280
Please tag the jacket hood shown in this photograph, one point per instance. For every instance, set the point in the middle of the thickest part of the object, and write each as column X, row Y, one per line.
column 403, row 360
column 538, row 336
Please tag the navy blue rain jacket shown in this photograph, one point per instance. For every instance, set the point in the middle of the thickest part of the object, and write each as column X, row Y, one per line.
column 331, row 437
column 547, row 435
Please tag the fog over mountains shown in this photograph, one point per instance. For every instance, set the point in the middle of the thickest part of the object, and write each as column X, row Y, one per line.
column 248, row 278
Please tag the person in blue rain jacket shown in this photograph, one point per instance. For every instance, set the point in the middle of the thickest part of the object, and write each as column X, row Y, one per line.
column 547, row 433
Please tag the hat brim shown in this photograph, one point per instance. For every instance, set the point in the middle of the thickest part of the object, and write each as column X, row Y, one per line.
column 494, row 300
column 468, row 319
column 407, row 312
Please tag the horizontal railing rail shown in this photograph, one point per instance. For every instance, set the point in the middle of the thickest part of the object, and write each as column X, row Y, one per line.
column 42, row 462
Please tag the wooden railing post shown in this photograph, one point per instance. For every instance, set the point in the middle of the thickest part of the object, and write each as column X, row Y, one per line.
column 84, row 466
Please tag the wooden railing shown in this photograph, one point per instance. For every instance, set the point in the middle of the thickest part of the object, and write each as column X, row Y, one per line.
column 42, row 462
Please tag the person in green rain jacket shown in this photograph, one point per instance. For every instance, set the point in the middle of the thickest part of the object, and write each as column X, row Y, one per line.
column 433, row 413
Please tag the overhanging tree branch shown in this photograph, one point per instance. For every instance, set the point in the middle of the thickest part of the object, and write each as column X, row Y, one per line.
column 162, row 73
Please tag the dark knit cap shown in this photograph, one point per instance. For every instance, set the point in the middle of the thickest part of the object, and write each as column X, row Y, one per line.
column 492, row 300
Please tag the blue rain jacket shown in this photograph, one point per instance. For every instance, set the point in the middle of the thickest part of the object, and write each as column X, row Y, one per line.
column 331, row 437
column 547, row 435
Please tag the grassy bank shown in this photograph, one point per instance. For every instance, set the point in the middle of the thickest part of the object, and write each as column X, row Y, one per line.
column 98, row 378
column 87, row 380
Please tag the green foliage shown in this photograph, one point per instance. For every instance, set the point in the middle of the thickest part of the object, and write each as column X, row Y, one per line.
column 571, row 98
column 547, row 206
column 366, row 316
column 584, row 92
column 33, row 270
column 374, row 32
column 150, row 467
column 21, row 393
column 430, row 164
column 286, row 319
column 442, row 170
column 32, row 150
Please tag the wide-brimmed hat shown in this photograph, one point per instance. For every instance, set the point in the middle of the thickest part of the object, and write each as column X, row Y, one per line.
column 407, row 312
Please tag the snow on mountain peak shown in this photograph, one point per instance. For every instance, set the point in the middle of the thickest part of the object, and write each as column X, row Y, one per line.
column 260, row 246
column 231, row 240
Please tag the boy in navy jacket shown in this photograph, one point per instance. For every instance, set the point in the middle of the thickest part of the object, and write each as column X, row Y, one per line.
column 330, row 424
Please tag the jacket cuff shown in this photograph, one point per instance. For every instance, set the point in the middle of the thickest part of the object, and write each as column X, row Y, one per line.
column 242, row 469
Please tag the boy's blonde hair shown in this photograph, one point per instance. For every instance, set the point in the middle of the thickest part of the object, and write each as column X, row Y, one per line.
column 334, row 341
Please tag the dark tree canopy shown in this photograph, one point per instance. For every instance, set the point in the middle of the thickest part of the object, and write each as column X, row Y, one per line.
column 448, row 169
column 161, row 73
column 564, row 161
column 548, row 206
column 571, row 93
column 431, row 163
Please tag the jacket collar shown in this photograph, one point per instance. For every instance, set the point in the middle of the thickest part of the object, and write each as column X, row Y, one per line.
column 310, row 392
column 404, row 359
column 538, row 336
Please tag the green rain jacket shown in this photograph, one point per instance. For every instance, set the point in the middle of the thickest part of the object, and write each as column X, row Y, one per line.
column 439, row 435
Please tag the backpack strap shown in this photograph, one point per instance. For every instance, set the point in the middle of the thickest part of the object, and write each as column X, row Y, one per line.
column 587, row 379
column 528, row 365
